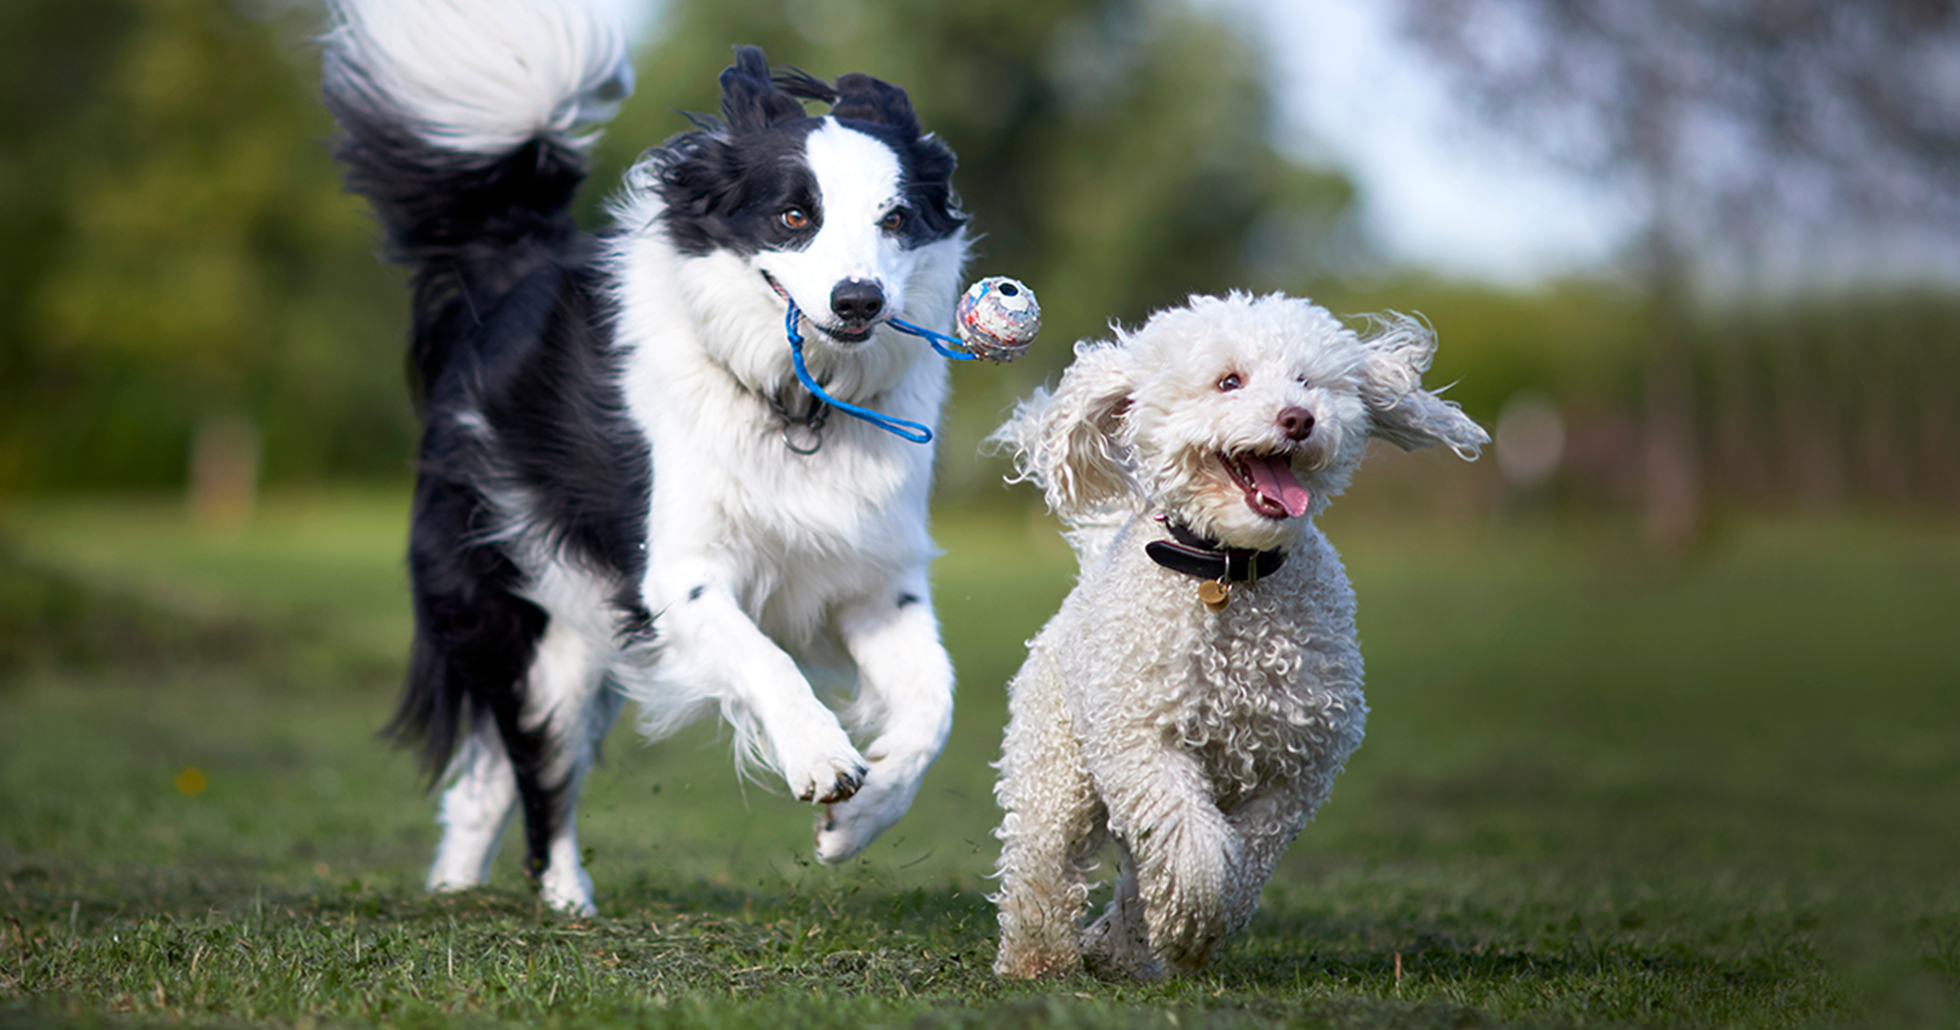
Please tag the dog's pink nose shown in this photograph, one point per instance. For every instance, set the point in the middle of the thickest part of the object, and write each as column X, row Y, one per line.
column 1296, row 423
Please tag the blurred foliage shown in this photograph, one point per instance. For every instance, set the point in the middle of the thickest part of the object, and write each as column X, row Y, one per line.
column 1760, row 143
column 1570, row 340
column 1743, row 129
column 176, row 252
column 180, row 253
column 1825, row 402
column 178, row 248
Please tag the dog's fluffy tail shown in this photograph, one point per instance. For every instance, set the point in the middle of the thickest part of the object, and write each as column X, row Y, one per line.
column 461, row 123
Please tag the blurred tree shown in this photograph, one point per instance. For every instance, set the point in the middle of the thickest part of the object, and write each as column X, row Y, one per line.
column 1750, row 131
column 51, row 54
column 177, row 252
column 187, row 256
column 1115, row 154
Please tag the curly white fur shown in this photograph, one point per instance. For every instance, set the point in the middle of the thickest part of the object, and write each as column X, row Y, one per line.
column 1201, row 741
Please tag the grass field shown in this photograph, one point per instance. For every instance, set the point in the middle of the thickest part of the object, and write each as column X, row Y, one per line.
column 1594, row 793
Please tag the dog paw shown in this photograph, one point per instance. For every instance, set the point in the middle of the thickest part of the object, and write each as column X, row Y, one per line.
column 844, row 829
column 817, row 761
column 833, row 781
column 569, row 892
column 838, row 836
column 444, row 882
column 1034, row 964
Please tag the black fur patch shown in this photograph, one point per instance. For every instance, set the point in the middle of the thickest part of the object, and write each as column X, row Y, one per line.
column 515, row 385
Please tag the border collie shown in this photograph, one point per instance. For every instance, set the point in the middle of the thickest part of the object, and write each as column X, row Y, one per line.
column 623, row 490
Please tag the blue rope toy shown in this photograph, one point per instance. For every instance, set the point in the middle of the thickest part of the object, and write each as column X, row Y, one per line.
column 899, row 427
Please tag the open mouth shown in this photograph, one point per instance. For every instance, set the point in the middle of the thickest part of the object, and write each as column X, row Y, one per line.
column 843, row 333
column 1268, row 482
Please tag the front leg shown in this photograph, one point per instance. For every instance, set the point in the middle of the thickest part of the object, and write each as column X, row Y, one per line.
column 1187, row 857
column 904, row 704
column 709, row 650
column 1265, row 824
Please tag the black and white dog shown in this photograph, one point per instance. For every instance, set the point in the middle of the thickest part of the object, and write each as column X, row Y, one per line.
column 624, row 493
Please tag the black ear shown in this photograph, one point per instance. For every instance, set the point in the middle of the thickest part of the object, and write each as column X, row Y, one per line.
column 872, row 100
column 749, row 98
column 797, row 82
column 858, row 97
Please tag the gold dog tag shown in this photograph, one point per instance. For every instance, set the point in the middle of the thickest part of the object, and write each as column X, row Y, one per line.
column 1214, row 594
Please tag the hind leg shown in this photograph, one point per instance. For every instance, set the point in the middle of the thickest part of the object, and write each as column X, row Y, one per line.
column 564, row 712
column 475, row 810
column 529, row 682
column 540, row 739
column 1120, row 937
column 473, row 642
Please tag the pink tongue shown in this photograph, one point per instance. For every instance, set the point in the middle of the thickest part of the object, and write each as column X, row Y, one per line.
column 1273, row 478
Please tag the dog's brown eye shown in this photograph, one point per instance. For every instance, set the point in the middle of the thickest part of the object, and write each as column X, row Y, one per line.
column 795, row 218
column 1230, row 382
column 893, row 221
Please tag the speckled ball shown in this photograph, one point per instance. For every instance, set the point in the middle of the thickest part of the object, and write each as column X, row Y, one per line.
column 997, row 318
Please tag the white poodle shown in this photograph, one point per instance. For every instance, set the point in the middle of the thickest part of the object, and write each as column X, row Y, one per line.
column 1201, row 687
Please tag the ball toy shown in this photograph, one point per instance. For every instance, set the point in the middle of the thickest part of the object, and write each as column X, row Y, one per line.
column 997, row 318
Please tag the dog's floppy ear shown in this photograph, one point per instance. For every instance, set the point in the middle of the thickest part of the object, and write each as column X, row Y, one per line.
column 871, row 100
column 1068, row 442
column 858, row 97
column 1395, row 355
column 749, row 98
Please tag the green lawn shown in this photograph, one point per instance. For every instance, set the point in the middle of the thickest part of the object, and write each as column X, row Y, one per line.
column 1595, row 792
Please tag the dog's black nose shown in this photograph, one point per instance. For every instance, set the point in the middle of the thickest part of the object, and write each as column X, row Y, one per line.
column 1296, row 423
column 857, row 300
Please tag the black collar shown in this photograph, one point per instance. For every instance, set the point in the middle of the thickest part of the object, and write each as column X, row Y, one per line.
column 1196, row 556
